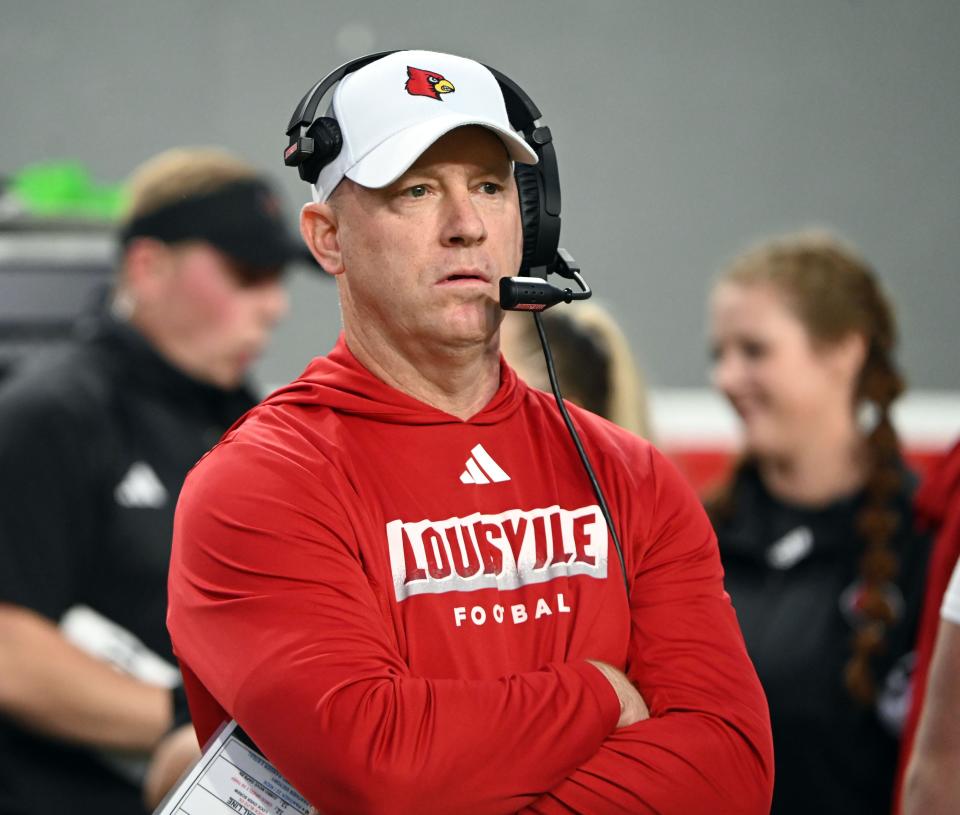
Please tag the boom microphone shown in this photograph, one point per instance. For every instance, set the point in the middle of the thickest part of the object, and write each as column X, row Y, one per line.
column 536, row 294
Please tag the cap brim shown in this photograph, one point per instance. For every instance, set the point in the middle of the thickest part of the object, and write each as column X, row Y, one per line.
column 264, row 252
column 393, row 157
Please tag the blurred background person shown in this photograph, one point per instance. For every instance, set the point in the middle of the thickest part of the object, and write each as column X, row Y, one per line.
column 94, row 445
column 592, row 357
column 931, row 740
column 815, row 528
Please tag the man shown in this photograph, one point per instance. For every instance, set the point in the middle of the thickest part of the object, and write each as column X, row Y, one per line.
column 94, row 446
column 394, row 574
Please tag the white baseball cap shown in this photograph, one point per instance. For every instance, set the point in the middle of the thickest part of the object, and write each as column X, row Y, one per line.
column 392, row 110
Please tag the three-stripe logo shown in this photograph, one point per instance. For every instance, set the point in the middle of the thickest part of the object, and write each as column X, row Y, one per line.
column 482, row 469
column 140, row 487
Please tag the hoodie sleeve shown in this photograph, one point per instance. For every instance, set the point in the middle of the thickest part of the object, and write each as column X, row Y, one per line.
column 271, row 610
column 707, row 747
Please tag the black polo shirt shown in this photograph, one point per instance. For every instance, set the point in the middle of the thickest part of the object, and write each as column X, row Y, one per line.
column 94, row 446
column 793, row 576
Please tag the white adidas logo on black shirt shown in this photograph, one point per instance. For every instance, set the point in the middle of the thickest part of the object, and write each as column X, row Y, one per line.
column 482, row 469
column 788, row 551
column 140, row 487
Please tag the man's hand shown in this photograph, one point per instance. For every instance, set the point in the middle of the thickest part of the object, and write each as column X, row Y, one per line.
column 174, row 755
column 632, row 707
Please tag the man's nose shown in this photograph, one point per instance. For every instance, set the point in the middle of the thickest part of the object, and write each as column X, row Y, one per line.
column 463, row 224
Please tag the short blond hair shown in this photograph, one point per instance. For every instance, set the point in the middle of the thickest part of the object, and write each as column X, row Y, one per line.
column 182, row 172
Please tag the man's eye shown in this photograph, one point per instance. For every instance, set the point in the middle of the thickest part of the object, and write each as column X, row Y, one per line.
column 490, row 188
column 417, row 191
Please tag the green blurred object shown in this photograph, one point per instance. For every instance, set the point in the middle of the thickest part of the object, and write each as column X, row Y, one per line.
column 65, row 189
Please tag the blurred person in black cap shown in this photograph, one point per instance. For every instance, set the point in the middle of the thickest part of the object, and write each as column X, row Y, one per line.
column 94, row 446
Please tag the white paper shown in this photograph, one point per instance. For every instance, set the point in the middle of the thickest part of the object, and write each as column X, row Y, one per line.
column 233, row 777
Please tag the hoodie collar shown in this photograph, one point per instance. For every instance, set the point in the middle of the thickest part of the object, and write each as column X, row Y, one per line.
column 339, row 381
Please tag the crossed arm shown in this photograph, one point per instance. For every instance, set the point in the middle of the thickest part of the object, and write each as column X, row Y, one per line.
column 315, row 677
column 707, row 746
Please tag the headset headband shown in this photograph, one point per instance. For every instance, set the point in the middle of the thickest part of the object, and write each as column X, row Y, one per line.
column 306, row 111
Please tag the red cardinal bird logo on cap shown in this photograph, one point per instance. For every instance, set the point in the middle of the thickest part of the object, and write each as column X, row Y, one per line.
column 427, row 83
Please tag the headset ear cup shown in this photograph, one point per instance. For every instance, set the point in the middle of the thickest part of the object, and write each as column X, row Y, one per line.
column 528, row 190
column 327, row 141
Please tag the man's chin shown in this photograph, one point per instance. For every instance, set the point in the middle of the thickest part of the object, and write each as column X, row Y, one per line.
column 227, row 377
column 468, row 335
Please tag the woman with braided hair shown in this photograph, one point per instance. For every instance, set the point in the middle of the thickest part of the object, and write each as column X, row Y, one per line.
column 821, row 557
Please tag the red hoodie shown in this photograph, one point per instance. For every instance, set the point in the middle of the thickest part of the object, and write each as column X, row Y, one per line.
column 396, row 605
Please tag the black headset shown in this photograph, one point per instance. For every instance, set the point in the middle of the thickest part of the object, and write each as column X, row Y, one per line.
column 316, row 141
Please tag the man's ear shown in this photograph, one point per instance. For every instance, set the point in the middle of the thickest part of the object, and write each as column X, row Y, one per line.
column 320, row 229
column 145, row 268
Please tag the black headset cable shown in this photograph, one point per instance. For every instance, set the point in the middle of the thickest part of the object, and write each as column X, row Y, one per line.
column 555, row 386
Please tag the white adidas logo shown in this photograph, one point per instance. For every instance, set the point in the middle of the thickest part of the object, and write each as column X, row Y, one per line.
column 140, row 487
column 789, row 550
column 482, row 469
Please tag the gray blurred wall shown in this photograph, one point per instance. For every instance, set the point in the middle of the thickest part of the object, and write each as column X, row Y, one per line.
column 684, row 130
